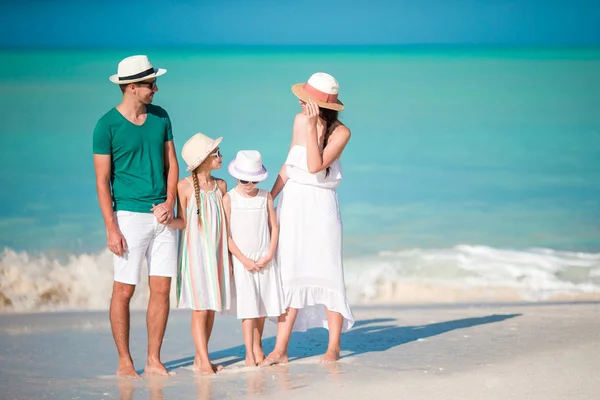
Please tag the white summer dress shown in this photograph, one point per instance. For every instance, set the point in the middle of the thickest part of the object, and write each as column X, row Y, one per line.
column 258, row 293
column 309, row 254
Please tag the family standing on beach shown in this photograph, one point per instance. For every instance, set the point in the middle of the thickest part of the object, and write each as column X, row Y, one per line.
column 235, row 251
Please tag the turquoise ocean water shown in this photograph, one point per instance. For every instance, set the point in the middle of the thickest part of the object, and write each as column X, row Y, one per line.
column 467, row 167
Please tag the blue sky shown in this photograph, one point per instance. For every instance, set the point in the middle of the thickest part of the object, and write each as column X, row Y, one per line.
column 110, row 23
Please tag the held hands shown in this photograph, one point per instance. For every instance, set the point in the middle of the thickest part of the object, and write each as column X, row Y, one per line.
column 116, row 241
column 163, row 212
column 250, row 265
column 263, row 262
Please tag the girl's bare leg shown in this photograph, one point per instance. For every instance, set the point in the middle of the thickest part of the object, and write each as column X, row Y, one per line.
column 284, row 331
column 199, row 333
column 248, row 326
column 259, row 354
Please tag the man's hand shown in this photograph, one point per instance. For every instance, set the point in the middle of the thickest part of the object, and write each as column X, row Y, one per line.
column 163, row 212
column 116, row 241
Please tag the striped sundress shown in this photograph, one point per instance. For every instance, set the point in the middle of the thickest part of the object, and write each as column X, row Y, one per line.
column 203, row 280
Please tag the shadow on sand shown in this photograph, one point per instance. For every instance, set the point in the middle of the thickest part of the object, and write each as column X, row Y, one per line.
column 365, row 336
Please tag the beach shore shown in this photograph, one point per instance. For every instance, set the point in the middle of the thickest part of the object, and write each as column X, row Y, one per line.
column 491, row 351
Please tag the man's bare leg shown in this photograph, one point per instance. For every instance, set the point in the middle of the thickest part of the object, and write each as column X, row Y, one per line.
column 119, row 322
column 156, row 320
column 334, row 322
column 284, row 331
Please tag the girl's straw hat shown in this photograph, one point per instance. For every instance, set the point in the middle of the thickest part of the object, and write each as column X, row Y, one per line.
column 248, row 166
column 197, row 148
column 135, row 69
column 322, row 88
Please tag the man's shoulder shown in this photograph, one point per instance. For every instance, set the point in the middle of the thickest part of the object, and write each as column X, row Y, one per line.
column 157, row 111
column 109, row 116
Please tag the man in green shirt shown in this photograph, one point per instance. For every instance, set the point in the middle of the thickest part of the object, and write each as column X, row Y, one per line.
column 136, row 179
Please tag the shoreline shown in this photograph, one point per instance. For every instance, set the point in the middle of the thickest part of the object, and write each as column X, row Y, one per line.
column 452, row 351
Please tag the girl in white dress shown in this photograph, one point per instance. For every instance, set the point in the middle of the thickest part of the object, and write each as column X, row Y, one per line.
column 253, row 234
column 310, row 243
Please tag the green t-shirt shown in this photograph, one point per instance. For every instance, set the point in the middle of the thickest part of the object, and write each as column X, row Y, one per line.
column 137, row 152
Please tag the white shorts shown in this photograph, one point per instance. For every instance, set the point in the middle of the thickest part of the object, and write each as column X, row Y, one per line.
column 146, row 238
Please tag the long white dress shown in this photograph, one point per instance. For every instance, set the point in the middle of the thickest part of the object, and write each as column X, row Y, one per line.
column 258, row 293
column 309, row 254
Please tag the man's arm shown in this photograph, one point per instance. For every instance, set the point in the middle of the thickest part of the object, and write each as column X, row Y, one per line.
column 164, row 212
column 115, row 240
column 172, row 173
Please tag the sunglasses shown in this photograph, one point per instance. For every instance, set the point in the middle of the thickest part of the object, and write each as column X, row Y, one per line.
column 151, row 85
column 217, row 154
column 247, row 182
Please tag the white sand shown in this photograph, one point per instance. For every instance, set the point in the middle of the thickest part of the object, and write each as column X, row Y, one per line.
column 537, row 351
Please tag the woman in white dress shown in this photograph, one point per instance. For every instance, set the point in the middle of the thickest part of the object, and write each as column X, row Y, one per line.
column 253, row 233
column 309, row 253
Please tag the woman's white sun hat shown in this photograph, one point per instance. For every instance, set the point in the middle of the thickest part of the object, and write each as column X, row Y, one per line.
column 135, row 69
column 197, row 148
column 248, row 166
column 322, row 88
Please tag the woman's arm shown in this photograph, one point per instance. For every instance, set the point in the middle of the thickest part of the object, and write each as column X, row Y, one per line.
column 279, row 182
column 274, row 228
column 338, row 139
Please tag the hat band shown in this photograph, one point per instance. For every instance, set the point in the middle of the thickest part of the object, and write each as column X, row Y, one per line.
column 319, row 95
column 142, row 74
column 254, row 173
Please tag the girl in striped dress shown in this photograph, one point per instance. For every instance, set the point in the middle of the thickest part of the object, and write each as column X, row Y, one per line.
column 203, row 279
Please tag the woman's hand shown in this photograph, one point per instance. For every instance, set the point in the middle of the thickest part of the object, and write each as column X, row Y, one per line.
column 312, row 112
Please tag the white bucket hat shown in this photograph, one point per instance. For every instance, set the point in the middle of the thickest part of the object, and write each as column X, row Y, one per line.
column 248, row 166
column 322, row 88
column 197, row 148
column 134, row 69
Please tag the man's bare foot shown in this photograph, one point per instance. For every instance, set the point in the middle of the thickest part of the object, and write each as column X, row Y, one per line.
column 250, row 361
column 330, row 356
column 274, row 358
column 259, row 355
column 155, row 367
column 126, row 370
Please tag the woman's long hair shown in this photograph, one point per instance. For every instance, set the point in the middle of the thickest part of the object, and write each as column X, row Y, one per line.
column 330, row 117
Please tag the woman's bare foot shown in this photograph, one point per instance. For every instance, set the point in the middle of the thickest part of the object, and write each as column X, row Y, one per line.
column 274, row 358
column 259, row 355
column 330, row 356
column 126, row 370
column 155, row 367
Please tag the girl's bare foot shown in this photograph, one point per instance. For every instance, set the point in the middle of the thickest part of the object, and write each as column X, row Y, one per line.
column 259, row 355
column 250, row 361
column 274, row 358
column 210, row 368
column 330, row 356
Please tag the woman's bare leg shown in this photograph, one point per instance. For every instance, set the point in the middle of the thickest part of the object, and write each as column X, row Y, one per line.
column 334, row 322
